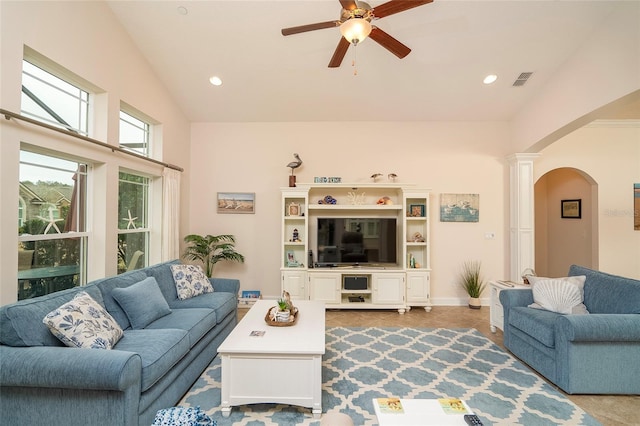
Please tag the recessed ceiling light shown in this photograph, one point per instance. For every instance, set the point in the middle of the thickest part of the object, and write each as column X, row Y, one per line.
column 216, row 81
column 182, row 10
column 491, row 78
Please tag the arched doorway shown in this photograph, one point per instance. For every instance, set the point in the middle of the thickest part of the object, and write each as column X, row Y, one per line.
column 563, row 241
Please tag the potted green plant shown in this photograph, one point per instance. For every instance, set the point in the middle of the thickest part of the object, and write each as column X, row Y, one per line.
column 471, row 280
column 284, row 310
column 210, row 249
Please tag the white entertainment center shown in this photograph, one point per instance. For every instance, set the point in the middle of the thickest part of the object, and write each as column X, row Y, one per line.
column 385, row 265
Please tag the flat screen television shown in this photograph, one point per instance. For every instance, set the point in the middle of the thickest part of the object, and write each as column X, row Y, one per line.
column 356, row 241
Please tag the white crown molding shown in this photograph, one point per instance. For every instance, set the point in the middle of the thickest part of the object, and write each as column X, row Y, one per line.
column 634, row 123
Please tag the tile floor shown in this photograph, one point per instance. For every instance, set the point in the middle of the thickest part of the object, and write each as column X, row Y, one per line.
column 610, row 410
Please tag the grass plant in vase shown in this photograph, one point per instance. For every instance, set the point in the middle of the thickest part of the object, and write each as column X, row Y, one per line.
column 471, row 280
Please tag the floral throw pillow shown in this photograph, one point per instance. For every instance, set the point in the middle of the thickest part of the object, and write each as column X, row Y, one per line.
column 190, row 281
column 182, row 416
column 83, row 323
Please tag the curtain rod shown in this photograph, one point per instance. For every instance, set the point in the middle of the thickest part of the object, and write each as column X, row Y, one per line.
column 9, row 115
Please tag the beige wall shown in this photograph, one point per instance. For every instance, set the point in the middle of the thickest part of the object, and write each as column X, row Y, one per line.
column 561, row 242
column 446, row 157
column 609, row 153
column 84, row 38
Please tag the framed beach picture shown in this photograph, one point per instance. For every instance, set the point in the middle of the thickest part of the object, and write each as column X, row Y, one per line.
column 459, row 207
column 571, row 209
column 416, row 210
column 236, row 202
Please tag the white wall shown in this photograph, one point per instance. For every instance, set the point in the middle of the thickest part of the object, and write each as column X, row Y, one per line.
column 84, row 38
column 608, row 152
column 604, row 70
column 446, row 157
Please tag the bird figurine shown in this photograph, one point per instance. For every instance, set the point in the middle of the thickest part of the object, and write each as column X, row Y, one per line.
column 295, row 164
column 375, row 176
column 392, row 177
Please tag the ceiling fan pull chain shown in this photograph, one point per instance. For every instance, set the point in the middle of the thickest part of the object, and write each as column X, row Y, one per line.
column 355, row 56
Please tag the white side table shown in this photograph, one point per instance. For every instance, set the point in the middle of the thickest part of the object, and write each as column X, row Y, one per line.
column 496, row 317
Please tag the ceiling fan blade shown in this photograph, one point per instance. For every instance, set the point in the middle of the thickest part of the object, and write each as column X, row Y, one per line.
column 309, row 27
column 348, row 4
column 389, row 43
column 395, row 6
column 338, row 55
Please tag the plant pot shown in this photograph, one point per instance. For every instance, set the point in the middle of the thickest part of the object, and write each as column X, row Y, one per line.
column 474, row 303
column 283, row 316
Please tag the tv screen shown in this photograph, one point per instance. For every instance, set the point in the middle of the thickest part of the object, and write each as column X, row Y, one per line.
column 354, row 241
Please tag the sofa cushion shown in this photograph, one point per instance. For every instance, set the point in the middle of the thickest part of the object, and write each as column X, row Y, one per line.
column 21, row 323
column 190, row 281
column 537, row 323
column 195, row 321
column 106, row 286
column 159, row 350
column 222, row 303
column 83, row 323
column 608, row 294
column 142, row 302
column 561, row 295
column 163, row 275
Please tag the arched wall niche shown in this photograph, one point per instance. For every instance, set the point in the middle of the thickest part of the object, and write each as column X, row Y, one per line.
column 561, row 242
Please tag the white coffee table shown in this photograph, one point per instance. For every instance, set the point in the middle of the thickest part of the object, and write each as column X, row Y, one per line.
column 282, row 366
column 420, row 412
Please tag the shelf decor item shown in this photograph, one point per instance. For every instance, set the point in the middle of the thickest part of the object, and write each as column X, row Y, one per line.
column 294, row 209
column 416, row 210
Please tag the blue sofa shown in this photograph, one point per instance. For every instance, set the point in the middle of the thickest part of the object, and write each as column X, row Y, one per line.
column 595, row 353
column 43, row 382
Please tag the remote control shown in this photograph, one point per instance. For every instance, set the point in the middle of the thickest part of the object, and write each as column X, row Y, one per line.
column 472, row 420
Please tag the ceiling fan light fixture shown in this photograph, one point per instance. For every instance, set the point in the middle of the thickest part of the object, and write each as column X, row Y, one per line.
column 355, row 30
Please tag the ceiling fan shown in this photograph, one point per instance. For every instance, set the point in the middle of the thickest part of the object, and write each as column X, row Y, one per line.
column 355, row 26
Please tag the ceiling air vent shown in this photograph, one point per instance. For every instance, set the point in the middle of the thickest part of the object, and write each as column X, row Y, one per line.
column 522, row 79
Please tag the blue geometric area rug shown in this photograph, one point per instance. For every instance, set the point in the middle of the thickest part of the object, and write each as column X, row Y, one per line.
column 362, row 363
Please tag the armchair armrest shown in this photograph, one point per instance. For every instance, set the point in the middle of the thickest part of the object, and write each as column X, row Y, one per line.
column 227, row 285
column 600, row 328
column 510, row 298
column 69, row 368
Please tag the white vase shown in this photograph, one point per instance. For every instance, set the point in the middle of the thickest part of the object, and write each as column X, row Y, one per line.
column 283, row 316
column 474, row 303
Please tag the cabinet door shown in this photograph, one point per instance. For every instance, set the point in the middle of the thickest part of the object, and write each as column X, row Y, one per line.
column 417, row 287
column 388, row 289
column 325, row 287
column 295, row 283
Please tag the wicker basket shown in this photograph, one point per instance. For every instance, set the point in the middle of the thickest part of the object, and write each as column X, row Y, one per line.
column 293, row 319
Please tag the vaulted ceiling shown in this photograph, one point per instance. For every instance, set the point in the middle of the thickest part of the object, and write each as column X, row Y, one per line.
column 269, row 77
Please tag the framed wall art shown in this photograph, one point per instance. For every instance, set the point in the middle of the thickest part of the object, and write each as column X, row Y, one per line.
column 571, row 209
column 236, row 202
column 416, row 210
column 459, row 207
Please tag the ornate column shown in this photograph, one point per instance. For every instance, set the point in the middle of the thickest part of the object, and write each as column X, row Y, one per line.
column 521, row 211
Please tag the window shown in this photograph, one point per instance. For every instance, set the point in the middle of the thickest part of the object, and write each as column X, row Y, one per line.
column 51, row 224
column 52, row 100
column 133, row 222
column 134, row 134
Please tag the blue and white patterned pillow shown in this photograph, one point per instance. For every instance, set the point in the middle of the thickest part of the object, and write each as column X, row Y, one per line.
column 181, row 416
column 83, row 323
column 190, row 281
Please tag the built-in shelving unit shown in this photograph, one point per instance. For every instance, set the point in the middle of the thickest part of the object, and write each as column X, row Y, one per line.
column 400, row 286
